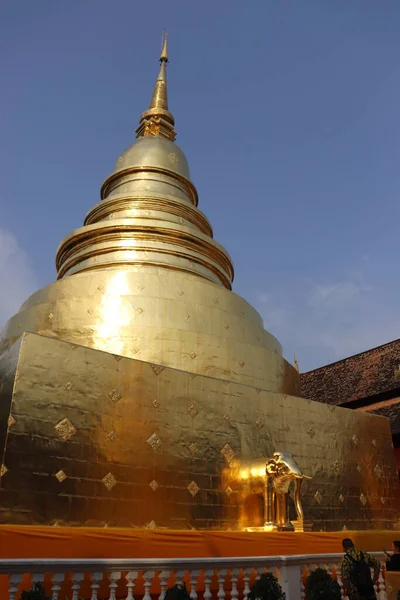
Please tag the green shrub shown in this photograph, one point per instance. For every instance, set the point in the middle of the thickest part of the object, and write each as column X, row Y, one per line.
column 321, row 586
column 266, row 588
column 177, row 592
column 36, row 593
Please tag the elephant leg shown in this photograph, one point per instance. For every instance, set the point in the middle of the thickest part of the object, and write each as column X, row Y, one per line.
column 297, row 499
column 269, row 508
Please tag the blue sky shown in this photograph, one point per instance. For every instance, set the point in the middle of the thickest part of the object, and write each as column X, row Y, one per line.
column 288, row 113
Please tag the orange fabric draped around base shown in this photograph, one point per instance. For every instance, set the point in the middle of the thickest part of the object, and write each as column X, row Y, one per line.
column 68, row 542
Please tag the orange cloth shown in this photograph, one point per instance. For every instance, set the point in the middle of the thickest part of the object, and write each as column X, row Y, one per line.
column 69, row 542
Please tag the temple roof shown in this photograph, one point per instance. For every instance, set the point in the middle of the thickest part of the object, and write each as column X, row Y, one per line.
column 356, row 378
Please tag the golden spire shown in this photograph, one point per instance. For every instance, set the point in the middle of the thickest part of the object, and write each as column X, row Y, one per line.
column 157, row 120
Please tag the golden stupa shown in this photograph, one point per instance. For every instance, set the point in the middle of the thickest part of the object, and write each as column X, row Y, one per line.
column 132, row 385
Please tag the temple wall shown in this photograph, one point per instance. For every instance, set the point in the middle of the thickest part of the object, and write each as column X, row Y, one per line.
column 98, row 439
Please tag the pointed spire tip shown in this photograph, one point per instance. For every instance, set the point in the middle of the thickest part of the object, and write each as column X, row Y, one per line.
column 164, row 49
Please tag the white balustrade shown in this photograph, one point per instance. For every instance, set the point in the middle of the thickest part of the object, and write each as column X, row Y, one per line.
column 146, row 579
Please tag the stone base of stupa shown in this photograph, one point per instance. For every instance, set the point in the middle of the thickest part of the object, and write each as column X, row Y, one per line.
column 94, row 439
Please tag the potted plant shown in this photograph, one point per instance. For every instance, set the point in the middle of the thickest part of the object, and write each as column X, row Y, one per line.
column 321, row 586
column 267, row 588
column 36, row 593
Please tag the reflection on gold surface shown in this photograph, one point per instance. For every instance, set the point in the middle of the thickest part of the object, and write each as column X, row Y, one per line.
column 177, row 462
column 138, row 390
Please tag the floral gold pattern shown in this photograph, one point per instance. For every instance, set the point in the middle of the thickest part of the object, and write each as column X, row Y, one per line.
column 61, row 476
column 154, row 442
column 193, row 488
column 311, row 432
column 318, row 497
column 227, row 453
column 157, row 369
column 109, row 481
column 65, row 429
column 192, row 410
column 115, row 396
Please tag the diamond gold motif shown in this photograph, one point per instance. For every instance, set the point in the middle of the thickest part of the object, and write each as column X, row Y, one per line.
column 383, row 500
column 3, row 470
column 192, row 447
column 11, row 421
column 355, row 440
column 359, row 468
column 61, row 476
column 227, row 453
column 216, row 301
column 180, row 292
column 363, row 499
column 154, row 442
column 318, row 497
column 90, row 311
column 378, row 471
column 51, row 316
column 154, row 485
column 192, row 410
column 115, row 396
column 193, row 355
column 226, row 325
column 193, row 488
column 111, row 436
column 229, row 491
column 286, row 428
column 193, row 375
column 139, row 311
column 156, row 403
column 65, row 429
column 173, row 157
column 227, row 417
column 241, row 363
column 337, row 467
column 341, row 498
column 157, row 369
column 186, row 317
column 68, row 386
column 373, row 443
column 331, row 408
column 109, row 481
column 260, row 423
column 311, row 432
column 117, row 358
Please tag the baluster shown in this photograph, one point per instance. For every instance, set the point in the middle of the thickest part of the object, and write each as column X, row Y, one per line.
column 76, row 584
column 234, row 579
column 194, row 575
column 246, row 580
column 163, row 577
column 14, row 581
column 221, row 581
column 339, row 580
column 56, row 587
column 115, row 576
column 207, row 583
column 96, row 578
column 381, row 587
column 179, row 578
column 303, row 579
column 147, row 576
column 130, row 577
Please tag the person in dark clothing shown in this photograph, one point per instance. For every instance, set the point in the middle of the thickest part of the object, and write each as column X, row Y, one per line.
column 356, row 572
column 393, row 560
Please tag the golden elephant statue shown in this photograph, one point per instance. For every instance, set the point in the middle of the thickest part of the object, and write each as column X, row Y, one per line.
column 269, row 479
